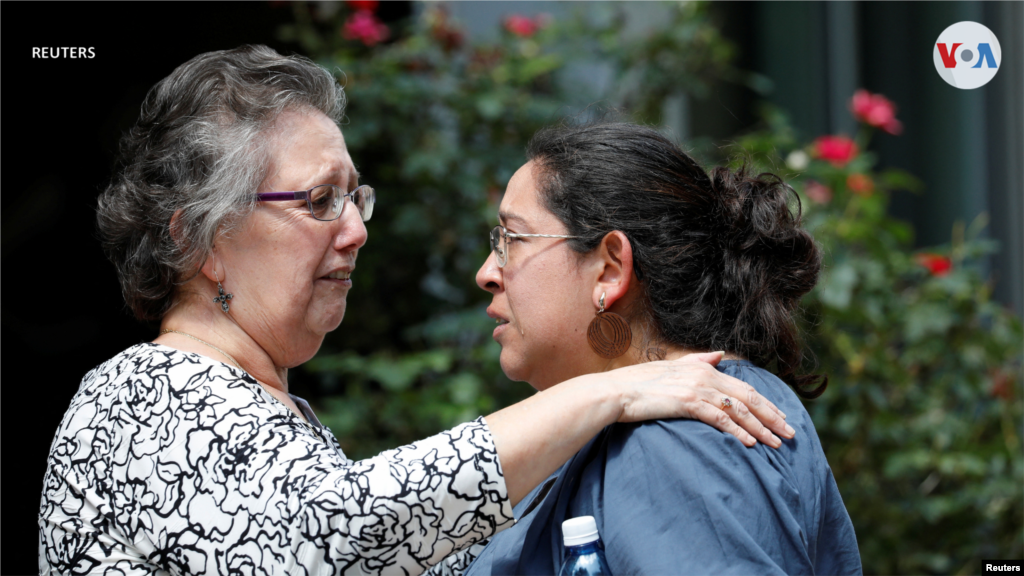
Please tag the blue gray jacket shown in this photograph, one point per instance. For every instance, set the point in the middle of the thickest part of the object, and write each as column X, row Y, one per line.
column 680, row 497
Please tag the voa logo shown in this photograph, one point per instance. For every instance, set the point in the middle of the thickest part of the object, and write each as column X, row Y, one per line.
column 967, row 55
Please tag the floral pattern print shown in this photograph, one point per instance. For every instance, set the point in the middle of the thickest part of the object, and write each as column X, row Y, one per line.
column 457, row 563
column 170, row 462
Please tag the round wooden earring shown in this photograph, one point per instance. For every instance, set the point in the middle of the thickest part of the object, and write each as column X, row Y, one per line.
column 609, row 335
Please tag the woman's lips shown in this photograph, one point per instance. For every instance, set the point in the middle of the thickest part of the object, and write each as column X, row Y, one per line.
column 502, row 324
column 341, row 278
column 498, row 330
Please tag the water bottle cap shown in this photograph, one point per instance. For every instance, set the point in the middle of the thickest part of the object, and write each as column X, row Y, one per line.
column 582, row 530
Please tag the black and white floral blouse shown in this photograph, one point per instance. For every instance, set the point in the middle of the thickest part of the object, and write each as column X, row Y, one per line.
column 171, row 462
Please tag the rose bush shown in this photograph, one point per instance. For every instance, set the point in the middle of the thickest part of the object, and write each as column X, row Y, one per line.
column 921, row 421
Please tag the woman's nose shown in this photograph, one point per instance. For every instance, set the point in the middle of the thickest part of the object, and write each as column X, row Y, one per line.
column 350, row 233
column 488, row 277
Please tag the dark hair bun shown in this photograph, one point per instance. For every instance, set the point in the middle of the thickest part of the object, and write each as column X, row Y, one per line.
column 769, row 262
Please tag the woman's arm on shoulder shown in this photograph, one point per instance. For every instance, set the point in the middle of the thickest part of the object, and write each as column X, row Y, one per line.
column 415, row 505
column 539, row 434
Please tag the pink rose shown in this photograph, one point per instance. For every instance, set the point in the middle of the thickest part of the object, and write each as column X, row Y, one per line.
column 365, row 27
column 818, row 192
column 522, row 26
column 875, row 110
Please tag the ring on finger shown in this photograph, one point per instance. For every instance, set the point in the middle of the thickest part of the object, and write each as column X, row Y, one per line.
column 726, row 402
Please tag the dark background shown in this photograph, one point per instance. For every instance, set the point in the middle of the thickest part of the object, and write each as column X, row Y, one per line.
column 63, row 118
column 62, row 312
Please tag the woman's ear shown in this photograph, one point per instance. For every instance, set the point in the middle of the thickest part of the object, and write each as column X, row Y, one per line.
column 177, row 234
column 213, row 268
column 616, row 258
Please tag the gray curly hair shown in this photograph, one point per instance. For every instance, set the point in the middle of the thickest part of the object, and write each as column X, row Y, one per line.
column 199, row 150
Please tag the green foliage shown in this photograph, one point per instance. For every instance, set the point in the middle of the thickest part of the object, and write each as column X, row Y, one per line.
column 922, row 419
column 438, row 126
column 923, row 416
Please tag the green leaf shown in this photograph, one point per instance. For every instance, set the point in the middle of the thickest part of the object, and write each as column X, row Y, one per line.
column 464, row 388
column 927, row 319
column 490, row 106
column 837, row 286
column 896, row 179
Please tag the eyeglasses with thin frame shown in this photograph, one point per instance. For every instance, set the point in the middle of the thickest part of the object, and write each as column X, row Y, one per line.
column 499, row 242
column 327, row 201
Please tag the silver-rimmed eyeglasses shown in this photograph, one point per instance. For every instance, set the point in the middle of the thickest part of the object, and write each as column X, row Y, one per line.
column 499, row 242
column 326, row 201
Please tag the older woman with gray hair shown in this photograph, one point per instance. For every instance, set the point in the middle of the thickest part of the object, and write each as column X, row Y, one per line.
column 235, row 223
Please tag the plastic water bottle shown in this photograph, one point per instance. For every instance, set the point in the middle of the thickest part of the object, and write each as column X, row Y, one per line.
column 584, row 553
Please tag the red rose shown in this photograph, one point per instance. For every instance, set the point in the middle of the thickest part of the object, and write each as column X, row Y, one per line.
column 818, row 192
column 370, row 5
column 522, row 26
column 860, row 184
column 365, row 27
column 875, row 110
column 838, row 150
column 937, row 264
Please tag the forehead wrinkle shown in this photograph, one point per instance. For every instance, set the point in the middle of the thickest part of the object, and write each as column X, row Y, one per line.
column 504, row 216
column 331, row 172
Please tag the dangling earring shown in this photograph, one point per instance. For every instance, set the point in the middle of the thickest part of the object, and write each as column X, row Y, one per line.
column 223, row 298
column 609, row 334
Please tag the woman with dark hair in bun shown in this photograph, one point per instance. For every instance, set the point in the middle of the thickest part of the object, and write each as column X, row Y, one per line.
column 615, row 248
